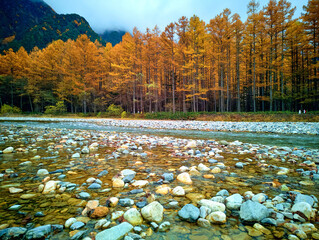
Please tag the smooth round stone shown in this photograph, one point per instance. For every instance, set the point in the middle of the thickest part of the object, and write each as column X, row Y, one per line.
column 83, row 195
column 217, row 217
column 113, row 201
column 69, row 222
column 126, row 202
column 94, row 186
column 76, row 155
column 202, row 167
column 15, row 190
column 164, row 189
column 116, row 215
column 234, row 201
column 118, row 183
column 15, row 207
column 153, row 212
column 99, row 212
column 39, row 214
column 184, row 178
column 213, row 206
column 42, row 172
column 133, row 217
column 178, row 191
column 202, row 222
column 140, row 183
column 28, row 195
column 189, row 213
column 239, row 165
column 304, row 208
column 77, row 225
column 50, row 187
column 8, row 150
column 90, row 180
column 169, row 177
column 253, row 211
column 164, row 226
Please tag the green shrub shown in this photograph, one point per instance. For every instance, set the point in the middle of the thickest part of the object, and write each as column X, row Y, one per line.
column 172, row 116
column 59, row 108
column 123, row 114
column 8, row 109
column 114, row 111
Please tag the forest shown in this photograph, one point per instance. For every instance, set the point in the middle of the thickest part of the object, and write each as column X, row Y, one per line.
column 270, row 62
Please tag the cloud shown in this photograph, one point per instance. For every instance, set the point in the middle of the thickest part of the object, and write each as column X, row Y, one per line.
column 127, row 14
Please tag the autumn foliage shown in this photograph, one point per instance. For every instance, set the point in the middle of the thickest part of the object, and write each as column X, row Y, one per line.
column 268, row 63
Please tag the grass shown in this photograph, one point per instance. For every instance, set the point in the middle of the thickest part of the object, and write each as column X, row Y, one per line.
column 201, row 116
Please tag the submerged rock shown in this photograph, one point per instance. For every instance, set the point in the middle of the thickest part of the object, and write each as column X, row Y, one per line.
column 253, row 211
column 115, row 233
column 189, row 213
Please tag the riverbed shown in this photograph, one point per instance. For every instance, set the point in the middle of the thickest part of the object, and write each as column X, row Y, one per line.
column 52, row 170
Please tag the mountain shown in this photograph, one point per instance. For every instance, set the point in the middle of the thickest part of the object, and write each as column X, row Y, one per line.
column 113, row 36
column 31, row 23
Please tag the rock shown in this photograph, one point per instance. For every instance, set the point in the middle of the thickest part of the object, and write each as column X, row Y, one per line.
column 113, row 201
column 239, row 165
column 38, row 232
column 76, row 155
column 283, row 171
column 69, row 222
column 128, row 175
column 8, row 150
column 115, row 233
column 77, row 225
column 260, row 197
column 83, row 195
column 189, row 213
column 126, row 202
column 12, row 233
column 213, row 206
column 305, row 198
column 308, row 228
column 178, row 191
column 234, row 201
column 202, row 222
column 184, row 178
column 4, row 226
column 103, row 173
column 216, row 170
column 85, row 150
column 15, row 190
column 202, row 167
column 91, row 205
column 191, row 144
column 133, row 217
column 99, row 212
column 28, row 196
column 42, row 172
column 165, row 226
column 262, row 229
column 140, row 183
column 79, row 235
column 102, row 223
column 223, row 193
column 39, row 214
column 163, row 189
column 116, row 215
column 15, row 207
column 118, row 183
column 169, row 177
column 253, row 212
column 217, row 217
column 50, row 187
column 94, row 186
column 303, row 209
column 284, row 188
column 153, row 212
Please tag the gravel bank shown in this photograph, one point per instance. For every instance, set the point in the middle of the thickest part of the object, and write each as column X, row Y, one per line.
column 263, row 127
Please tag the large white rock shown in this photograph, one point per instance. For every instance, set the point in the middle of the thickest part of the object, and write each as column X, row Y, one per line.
column 140, row 183
column 153, row 212
column 42, row 172
column 8, row 150
column 304, row 208
column 191, row 144
column 213, row 206
column 184, row 178
column 202, row 167
column 217, row 217
column 50, row 187
column 178, row 191
column 133, row 217
column 234, row 201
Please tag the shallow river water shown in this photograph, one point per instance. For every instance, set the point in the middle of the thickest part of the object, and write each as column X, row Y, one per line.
column 150, row 153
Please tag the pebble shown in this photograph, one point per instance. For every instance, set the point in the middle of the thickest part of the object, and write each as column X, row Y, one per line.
column 189, row 213
column 153, row 212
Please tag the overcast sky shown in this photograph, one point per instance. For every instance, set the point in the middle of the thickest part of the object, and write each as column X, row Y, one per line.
column 127, row 14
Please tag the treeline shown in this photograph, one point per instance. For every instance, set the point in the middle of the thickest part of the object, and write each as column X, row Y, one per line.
column 268, row 63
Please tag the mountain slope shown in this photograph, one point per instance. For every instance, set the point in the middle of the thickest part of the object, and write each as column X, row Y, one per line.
column 114, row 37
column 31, row 23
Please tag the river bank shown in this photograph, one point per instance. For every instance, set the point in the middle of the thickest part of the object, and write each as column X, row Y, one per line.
column 86, row 184
column 309, row 128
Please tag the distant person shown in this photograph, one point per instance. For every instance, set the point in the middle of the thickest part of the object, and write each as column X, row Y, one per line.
column 304, row 111
column 299, row 111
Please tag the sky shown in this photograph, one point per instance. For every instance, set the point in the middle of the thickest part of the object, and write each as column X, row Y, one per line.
column 127, row 14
